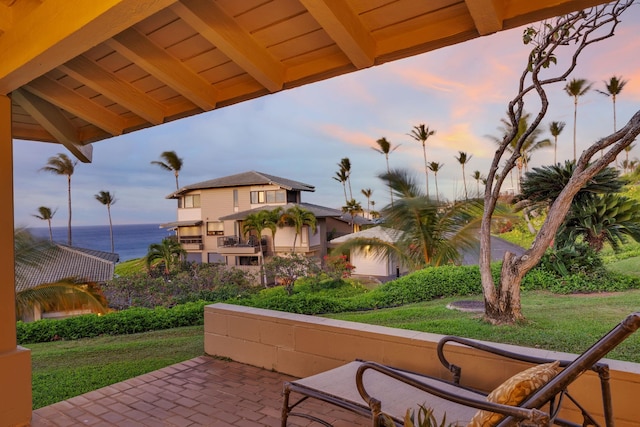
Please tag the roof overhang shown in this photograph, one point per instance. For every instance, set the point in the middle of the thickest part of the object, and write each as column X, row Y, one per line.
column 177, row 224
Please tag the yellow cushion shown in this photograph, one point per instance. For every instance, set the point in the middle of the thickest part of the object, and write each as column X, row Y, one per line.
column 515, row 390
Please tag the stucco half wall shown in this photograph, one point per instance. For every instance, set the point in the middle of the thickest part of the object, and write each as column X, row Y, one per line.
column 301, row 345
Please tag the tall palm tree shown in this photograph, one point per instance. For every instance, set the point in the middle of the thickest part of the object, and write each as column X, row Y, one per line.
column 257, row 222
column 421, row 133
column 436, row 167
column 367, row 192
column 613, row 88
column 272, row 221
column 46, row 214
column 385, row 147
column 61, row 164
column 341, row 177
column 107, row 199
column 298, row 217
column 556, row 129
column 576, row 88
column 169, row 252
column 171, row 162
column 627, row 150
column 478, row 177
column 429, row 234
column 463, row 158
column 345, row 165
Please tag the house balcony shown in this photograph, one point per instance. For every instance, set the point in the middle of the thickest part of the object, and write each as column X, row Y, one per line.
column 234, row 245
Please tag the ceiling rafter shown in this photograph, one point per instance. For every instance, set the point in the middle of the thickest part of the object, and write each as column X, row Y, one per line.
column 68, row 100
column 97, row 78
column 54, row 122
column 344, row 27
column 156, row 61
column 214, row 25
column 86, row 24
column 486, row 16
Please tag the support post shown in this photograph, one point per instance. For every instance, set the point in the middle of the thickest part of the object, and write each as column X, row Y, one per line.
column 15, row 361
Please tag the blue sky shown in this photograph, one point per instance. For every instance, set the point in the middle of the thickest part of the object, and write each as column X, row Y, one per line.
column 460, row 91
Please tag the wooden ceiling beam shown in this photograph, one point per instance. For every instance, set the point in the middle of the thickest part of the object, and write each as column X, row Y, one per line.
column 156, row 61
column 56, row 31
column 206, row 17
column 70, row 101
column 97, row 78
column 54, row 122
column 487, row 16
column 344, row 27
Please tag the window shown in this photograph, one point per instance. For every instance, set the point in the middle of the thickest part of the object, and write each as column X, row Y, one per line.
column 215, row 228
column 235, row 199
column 191, row 201
column 270, row 196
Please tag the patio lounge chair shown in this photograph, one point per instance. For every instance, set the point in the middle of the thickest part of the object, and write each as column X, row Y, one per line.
column 381, row 392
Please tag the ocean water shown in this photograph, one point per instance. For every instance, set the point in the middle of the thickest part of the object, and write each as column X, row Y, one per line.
column 130, row 241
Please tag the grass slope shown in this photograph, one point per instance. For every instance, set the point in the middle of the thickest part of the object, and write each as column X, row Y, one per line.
column 64, row 369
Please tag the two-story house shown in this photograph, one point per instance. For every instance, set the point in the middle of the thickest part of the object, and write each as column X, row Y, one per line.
column 210, row 219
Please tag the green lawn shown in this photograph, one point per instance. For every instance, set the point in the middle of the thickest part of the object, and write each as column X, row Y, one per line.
column 627, row 266
column 567, row 323
column 64, row 369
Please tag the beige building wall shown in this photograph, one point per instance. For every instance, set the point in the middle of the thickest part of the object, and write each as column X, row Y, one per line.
column 302, row 345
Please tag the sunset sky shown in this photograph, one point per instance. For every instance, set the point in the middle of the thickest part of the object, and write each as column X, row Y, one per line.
column 460, row 91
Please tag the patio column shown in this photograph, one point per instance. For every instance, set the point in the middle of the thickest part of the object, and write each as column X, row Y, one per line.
column 15, row 361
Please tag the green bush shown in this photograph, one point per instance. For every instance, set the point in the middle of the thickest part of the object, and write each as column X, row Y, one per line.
column 128, row 321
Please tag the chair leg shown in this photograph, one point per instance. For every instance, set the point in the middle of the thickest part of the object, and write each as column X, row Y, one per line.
column 285, row 405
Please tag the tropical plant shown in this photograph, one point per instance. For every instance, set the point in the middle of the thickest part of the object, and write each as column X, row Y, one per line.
column 170, row 162
column 298, row 217
column 107, row 199
column 421, row 133
column 570, row 34
column 429, row 233
column 477, row 175
column 272, row 222
column 556, row 128
column 576, row 88
column 342, row 177
column 436, row 167
column 169, row 253
column 629, row 167
column 61, row 164
column 257, row 222
column 46, row 214
column 352, row 208
column 345, row 165
column 463, row 158
column 613, row 88
column 367, row 192
column 385, row 147
column 285, row 270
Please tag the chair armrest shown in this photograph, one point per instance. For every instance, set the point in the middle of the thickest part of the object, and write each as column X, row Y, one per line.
column 535, row 415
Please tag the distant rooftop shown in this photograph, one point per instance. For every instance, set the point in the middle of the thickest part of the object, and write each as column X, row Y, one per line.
column 316, row 210
column 245, row 179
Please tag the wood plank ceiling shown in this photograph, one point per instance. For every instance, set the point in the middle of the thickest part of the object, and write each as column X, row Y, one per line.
column 84, row 71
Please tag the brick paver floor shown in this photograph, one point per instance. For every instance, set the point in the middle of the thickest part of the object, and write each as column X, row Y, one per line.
column 204, row 391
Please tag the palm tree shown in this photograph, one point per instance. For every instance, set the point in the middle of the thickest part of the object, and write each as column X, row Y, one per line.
column 169, row 252
column 108, row 200
column 272, row 221
column 256, row 221
column 429, row 234
column 45, row 214
column 421, row 133
column 478, row 177
column 341, row 177
column 576, row 88
column 374, row 213
column 171, row 162
column 614, row 86
column 367, row 192
column 385, row 147
column 463, row 158
column 627, row 150
column 353, row 208
column 345, row 165
column 556, row 129
column 61, row 164
column 436, row 167
column 298, row 217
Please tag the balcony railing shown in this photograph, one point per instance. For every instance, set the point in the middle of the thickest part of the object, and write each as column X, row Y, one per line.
column 236, row 241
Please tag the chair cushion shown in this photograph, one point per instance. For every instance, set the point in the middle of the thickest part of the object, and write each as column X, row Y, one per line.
column 515, row 390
